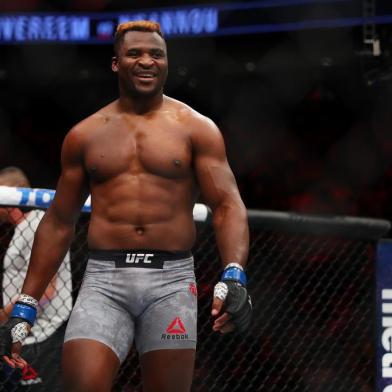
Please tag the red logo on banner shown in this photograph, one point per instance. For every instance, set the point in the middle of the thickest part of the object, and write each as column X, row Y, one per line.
column 176, row 326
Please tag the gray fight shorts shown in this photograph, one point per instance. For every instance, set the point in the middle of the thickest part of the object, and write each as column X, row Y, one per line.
column 145, row 296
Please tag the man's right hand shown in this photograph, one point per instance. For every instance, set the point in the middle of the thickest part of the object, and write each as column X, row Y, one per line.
column 12, row 333
column 16, row 329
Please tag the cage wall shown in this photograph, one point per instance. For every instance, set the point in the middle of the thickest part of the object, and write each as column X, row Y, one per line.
column 313, row 297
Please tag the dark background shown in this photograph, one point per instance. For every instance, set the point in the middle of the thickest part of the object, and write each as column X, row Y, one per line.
column 307, row 120
column 306, row 115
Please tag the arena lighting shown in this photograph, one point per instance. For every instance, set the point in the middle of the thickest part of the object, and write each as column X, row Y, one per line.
column 369, row 34
column 186, row 21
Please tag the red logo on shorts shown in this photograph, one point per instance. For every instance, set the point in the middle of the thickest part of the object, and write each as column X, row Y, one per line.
column 176, row 326
column 193, row 289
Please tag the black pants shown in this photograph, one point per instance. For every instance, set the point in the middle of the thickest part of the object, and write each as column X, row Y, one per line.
column 43, row 373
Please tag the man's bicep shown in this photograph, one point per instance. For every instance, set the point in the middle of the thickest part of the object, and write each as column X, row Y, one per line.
column 216, row 180
column 72, row 187
column 214, row 175
column 71, row 193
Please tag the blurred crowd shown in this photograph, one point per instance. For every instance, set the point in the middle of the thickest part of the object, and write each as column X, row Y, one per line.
column 305, row 128
column 317, row 155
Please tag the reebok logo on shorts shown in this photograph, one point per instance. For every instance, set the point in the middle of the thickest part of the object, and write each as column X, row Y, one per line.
column 175, row 330
column 176, row 326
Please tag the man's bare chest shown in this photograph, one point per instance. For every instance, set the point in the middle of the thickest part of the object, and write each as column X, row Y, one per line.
column 160, row 149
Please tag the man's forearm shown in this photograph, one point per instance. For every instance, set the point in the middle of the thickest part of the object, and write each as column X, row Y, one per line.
column 232, row 232
column 5, row 312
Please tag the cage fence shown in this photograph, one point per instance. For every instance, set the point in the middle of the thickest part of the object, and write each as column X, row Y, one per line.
column 312, row 281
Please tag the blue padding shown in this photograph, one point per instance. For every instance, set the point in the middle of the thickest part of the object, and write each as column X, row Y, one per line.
column 25, row 312
column 236, row 274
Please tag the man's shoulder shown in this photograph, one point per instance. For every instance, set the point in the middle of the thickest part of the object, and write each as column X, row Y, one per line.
column 187, row 113
column 202, row 130
column 93, row 121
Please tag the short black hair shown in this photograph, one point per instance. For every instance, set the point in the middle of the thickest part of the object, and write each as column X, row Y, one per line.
column 137, row 25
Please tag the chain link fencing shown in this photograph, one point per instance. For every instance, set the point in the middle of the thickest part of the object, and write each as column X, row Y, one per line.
column 312, row 285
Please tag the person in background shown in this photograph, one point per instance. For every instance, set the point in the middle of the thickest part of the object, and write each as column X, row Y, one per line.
column 43, row 347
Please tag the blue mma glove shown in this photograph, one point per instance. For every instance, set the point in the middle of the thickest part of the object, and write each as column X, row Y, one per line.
column 17, row 327
column 231, row 289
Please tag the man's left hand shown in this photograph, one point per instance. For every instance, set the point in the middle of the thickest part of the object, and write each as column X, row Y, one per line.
column 222, row 322
column 231, row 306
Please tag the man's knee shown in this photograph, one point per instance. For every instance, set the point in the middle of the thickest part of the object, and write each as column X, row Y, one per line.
column 88, row 366
column 79, row 378
column 86, row 380
column 78, row 385
column 168, row 370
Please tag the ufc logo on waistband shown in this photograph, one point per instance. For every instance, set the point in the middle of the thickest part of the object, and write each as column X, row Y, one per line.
column 135, row 258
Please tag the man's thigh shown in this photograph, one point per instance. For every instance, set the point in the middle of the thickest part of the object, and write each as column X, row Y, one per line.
column 88, row 365
column 168, row 370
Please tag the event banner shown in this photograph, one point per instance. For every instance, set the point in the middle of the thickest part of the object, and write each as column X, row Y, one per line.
column 384, row 316
column 186, row 21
